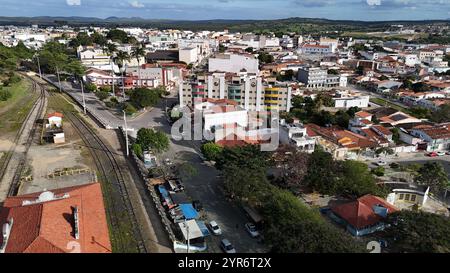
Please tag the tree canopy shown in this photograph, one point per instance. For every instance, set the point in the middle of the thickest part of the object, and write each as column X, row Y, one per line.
column 433, row 175
column 418, row 232
column 150, row 139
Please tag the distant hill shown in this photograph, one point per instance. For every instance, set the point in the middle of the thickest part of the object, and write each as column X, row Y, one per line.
column 304, row 25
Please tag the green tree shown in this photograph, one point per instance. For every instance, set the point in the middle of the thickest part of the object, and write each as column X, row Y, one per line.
column 418, row 232
column 144, row 97
column 360, row 70
column 91, row 87
column 333, row 72
column 151, row 139
column 378, row 171
column 265, row 58
column 442, row 114
column 102, row 95
column 137, row 149
column 321, row 172
column 138, row 52
column 355, row 180
column 291, row 227
column 129, row 109
column 420, row 87
column 211, row 150
column 433, row 175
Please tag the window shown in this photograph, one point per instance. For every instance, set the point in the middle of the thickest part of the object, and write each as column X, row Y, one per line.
column 407, row 197
column 413, row 198
column 401, row 197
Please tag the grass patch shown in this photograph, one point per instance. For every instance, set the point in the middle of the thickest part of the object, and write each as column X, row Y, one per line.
column 18, row 91
column 121, row 236
column 58, row 102
column 14, row 111
column 386, row 103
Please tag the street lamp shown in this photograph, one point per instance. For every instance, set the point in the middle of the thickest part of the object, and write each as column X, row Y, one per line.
column 187, row 235
column 39, row 64
column 82, row 94
column 122, row 70
column 59, row 80
column 126, row 131
column 112, row 70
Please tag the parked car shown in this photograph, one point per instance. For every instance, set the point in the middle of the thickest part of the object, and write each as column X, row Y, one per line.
column 432, row 154
column 251, row 229
column 381, row 163
column 440, row 153
column 226, row 246
column 214, row 227
column 447, row 153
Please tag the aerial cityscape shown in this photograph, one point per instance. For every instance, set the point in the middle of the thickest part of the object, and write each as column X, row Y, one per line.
column 225, row 126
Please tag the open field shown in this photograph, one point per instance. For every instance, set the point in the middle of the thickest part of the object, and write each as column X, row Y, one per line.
column 14, row 111
column 382, row 35
column 383, row 102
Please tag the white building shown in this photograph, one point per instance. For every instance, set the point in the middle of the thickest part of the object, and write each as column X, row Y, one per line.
column 188, row 55
column 351, row 101
column 234, row 63
column 296, row 134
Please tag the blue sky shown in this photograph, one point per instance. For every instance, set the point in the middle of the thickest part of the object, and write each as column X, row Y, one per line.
column 233, row 9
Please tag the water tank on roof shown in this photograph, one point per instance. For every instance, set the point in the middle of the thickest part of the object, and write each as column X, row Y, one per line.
column 46, row 196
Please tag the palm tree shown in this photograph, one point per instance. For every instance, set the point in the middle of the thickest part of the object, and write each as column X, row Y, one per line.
column 111, row 50
column 138, row 52
column 119, row 59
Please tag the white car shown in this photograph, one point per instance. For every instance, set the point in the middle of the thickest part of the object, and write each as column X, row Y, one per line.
column 214, row 227
column 227, row 247
column 440, row 153
column 251, row 229
column 381, row 163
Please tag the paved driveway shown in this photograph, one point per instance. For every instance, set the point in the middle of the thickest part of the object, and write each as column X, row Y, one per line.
column 206, row 186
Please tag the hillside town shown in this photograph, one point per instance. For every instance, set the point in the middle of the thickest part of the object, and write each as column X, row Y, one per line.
column 216, row 133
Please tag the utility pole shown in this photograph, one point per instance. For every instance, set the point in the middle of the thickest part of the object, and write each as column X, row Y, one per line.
column 187, row 235
column 112, row 70
column 59, row 80
column 126, row 132
column 123, row 80
column 39, row 65
column 82, row 94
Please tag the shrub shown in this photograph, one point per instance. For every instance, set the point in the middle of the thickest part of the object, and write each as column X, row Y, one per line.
column 137, row 149
column 5, row 95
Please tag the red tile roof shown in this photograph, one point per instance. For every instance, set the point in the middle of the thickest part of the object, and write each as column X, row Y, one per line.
column 360, row 213
column 55, row 114
column 437, row 132
column 363, row 114
column 48, row 226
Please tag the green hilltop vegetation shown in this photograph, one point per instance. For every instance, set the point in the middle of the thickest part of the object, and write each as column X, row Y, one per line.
column 304, row 25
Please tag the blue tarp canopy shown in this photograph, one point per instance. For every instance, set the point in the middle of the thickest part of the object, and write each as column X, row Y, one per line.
column 188, row 211
column 163, row 192
column 203, row 228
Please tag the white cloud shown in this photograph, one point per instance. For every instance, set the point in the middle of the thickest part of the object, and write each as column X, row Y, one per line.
column 136, row 4
column 373, row 2
column 73, row 2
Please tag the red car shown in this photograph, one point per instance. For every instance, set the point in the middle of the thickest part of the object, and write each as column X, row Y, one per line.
column 432, row 154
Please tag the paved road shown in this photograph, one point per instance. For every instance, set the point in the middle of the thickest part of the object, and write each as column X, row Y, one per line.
column 205, row 186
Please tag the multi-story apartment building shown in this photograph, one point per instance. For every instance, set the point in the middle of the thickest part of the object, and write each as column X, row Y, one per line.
column 248, row 90
column 315, row 77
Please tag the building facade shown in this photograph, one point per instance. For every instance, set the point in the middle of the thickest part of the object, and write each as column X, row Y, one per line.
column 249, row 91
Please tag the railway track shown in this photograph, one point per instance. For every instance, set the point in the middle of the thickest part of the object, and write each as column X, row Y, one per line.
column 22, row 138
column 118, row 200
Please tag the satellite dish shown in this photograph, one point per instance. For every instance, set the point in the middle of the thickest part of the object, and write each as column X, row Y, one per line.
column 46, row 196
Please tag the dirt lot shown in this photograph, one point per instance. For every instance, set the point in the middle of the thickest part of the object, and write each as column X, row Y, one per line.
column 52, row 166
